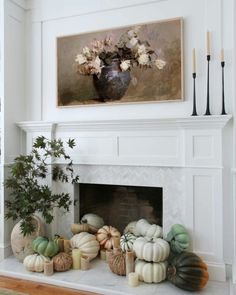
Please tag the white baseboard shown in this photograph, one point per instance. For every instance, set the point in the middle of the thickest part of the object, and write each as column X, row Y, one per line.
column 217, row 271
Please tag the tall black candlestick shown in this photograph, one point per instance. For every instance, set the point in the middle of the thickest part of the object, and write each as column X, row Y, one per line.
column 194, row 113
column 223, row 112
column 207, row 113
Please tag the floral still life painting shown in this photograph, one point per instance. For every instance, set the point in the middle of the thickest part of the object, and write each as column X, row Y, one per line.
column 140, row 63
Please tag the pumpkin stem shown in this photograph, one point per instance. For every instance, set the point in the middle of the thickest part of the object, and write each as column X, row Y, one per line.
column 171, row 271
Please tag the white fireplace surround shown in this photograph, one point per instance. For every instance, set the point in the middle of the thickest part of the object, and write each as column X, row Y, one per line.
column 182, row 155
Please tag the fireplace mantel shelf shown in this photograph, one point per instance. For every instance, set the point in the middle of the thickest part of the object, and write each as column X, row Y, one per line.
column 198, row 122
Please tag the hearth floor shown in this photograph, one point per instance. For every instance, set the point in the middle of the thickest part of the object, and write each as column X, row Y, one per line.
column 101, row 280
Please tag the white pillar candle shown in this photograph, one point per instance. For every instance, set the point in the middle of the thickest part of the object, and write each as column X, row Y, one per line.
column 133, row 279
column 103, row 254
column 48, row 268
column 76, row 255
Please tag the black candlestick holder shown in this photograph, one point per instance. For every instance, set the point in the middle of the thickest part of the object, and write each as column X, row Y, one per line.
column 207, row 113
column 194, row 113
column 223, row 112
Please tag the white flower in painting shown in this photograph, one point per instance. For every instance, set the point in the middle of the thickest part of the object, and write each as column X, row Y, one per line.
column 133, row 42
column 142, row 49
column 125, row 65
column 160, row 64
column 133, row 33
column 80, row 59
column 143, row 59
column 95, row 66
column 86, row 52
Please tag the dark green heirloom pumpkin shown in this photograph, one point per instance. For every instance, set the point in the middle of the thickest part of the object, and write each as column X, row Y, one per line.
column 45, row 246
column 187, row 271
column 178, row 238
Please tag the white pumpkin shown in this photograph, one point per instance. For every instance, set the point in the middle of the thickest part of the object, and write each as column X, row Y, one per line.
column 153, row 250
column 127, row 241
column 131, row 228
column 87, row 244
column 35, row 262
column 145, row 229
column 106, row 236
column 150, row 272
column 93, row 219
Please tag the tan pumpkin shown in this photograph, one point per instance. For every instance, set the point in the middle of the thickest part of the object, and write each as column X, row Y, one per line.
column 87, row 243
column 145, row 229
column 62, row 262
column 35, row 262
column 77, row 228
column 106, row 236
column 117, row 263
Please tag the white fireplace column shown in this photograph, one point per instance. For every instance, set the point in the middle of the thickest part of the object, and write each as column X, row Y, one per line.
column 182, row 155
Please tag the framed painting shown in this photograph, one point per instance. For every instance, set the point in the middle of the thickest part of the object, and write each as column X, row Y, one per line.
column 135, row 64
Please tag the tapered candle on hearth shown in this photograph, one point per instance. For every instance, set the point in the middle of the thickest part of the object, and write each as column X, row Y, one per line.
column 208, row 43
column 194, row 60
column 129, row 261
column 76, row 256
column 222, row 55
column 103, row 254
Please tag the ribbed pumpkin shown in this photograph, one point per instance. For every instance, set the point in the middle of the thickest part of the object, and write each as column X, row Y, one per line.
column 93, row 220
column 45, row 246
column 152, row 250
column 35, row 262
column 127, row 241
column 178, row 238
column 149, row 272
column 188, row 271
column 62, row 262
column 117, row 263
column 106, row 235
column 145, row 229
column 131, row 228
column 87, row 243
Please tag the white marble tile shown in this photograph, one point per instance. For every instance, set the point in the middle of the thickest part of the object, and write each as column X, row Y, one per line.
column 101, row 280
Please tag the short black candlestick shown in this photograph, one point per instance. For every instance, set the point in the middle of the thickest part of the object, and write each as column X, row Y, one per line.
column 223, row 112
column 194, row 113
column 207, row 113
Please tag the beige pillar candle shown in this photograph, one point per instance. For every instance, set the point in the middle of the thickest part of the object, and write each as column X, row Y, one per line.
column 67, row 246
column 109, row 252
column 48, row 268
column 103, row 254
column 76, row 255
column 85, row 262
column 116, row 242
column 133, row 279
column 129, row 261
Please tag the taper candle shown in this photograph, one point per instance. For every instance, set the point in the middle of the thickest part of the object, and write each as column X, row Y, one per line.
column 194, row 61
column 76, row 255
column 48, row 268
column 129, row 261
column 208, row 43
column 222, row 55
column 103, row 254
column 67, row 246
column 133, row 279
column 85, row 262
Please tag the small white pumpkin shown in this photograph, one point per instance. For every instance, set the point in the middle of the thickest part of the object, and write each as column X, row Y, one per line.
column 106, row 236
column 153, row 250
column 150, row 272
column 131, row 228
column 93, row 219
column 145, row 229
column 87, row 243
column 35, row 262
column 127, row 241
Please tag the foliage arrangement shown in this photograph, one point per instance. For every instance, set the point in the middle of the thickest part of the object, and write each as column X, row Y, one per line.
column 26, row 182
column 130, row 51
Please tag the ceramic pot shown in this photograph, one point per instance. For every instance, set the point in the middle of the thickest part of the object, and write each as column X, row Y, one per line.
column 22, row 245
column 112, row 83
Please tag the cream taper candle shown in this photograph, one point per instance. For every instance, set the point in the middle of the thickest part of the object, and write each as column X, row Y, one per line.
column 76, row 256
column 222, row 55
column 103, row 254
column 208, row 43
column 133, row 279
column 194, row 61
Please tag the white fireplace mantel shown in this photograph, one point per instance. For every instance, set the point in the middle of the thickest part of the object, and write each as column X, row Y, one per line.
column 182, row 155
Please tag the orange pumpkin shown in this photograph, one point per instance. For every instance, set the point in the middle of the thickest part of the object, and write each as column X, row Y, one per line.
column 107, row 235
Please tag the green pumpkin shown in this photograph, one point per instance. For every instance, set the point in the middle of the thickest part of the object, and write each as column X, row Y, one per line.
column 178, row 238
column 127, row 241
column 45, row 246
